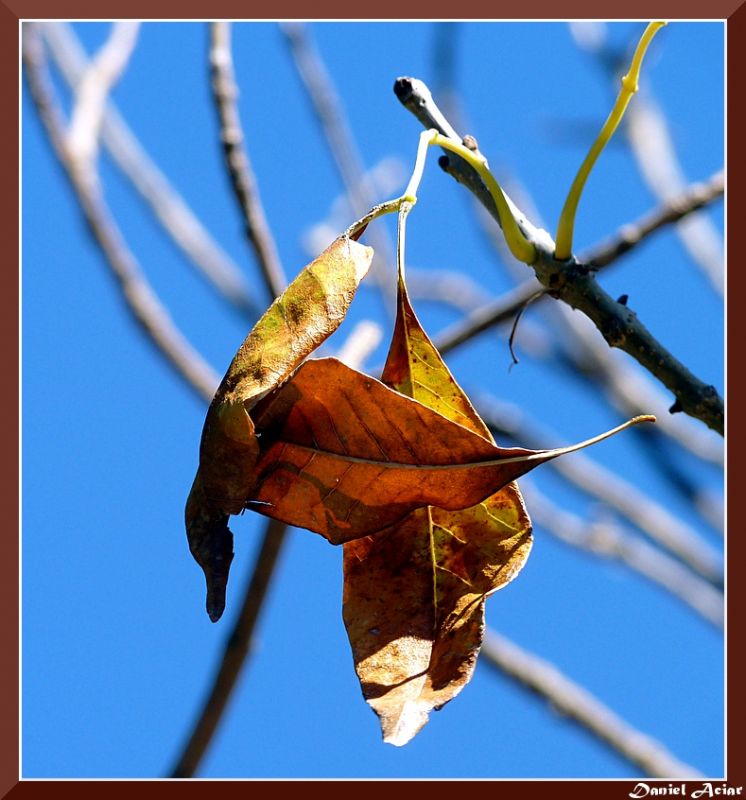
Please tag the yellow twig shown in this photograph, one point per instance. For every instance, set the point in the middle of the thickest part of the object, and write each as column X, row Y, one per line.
column 563, row 248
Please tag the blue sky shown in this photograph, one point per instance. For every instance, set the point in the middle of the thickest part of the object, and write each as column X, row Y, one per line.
column 117, row 648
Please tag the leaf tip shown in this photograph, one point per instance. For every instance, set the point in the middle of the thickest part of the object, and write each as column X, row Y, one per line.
column 215, row 604
column 400, row 725
column 211, row 544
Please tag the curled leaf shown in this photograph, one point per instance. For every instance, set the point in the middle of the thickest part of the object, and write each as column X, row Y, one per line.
column 307, row 312
column 348, row 456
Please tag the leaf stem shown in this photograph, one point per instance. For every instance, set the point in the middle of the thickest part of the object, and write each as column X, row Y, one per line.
column 357, row 227
column 402, row 205
column 401, row 229
column 565, row 228
column 519, row 245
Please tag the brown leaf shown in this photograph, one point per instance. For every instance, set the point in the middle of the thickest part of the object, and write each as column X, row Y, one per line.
column 307, row 312
column 414, row 595
column 347, row 456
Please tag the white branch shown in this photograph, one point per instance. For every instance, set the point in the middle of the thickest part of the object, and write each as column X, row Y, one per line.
column 93, row 91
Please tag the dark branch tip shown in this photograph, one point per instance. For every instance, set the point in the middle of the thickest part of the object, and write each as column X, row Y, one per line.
column 444, row 162
column 403, row 89
column 676, row 408
column 622, row 299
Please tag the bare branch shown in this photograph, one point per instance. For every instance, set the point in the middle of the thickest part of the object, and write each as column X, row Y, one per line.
column 447, row 286
column 576, row 285
column 446, row 36
column 499, row 311
column 167, row 205
column 225, row 94
column 236, row 649
column 578, row 704
column 573, row 346
column 606, row 539
column 628, row 389
column 653, row 149
column 673, row 210
column 361, row 342
column 333, row 120
column 94, row 89
column 141, row 300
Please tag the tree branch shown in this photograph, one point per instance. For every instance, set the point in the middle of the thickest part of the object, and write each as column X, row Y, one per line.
column 333, row 120
column 237, row 647
column 653, row 149
column 585, row 356
column 676, row 208
column 177, row 219
column 576, row 285
column 225, row 94
column 612, row 542
column 501, row 310
column 93, row 90
column 141, row 300
column 579, row 705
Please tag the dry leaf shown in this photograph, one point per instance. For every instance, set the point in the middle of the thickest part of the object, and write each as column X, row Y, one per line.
column 414, row 594
column 347, row 456
column 307, row 312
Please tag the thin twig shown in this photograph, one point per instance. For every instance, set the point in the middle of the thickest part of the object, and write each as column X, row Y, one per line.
column 95, row 86
column 177, row 219
column 147, row 309
column 443, row 64
column 332, row 118
column 446, row 286
column 243, row 181
column 675, row 208
column 496, row 312
column 514, row 327
column 576, row 285
column 609, row 540
column 576, row 703
column 237, row 647
column 141, row 300
column 611, row 489
column 361, row 342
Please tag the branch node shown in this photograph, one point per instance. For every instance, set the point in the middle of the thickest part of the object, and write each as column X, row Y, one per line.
column 470, row 143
